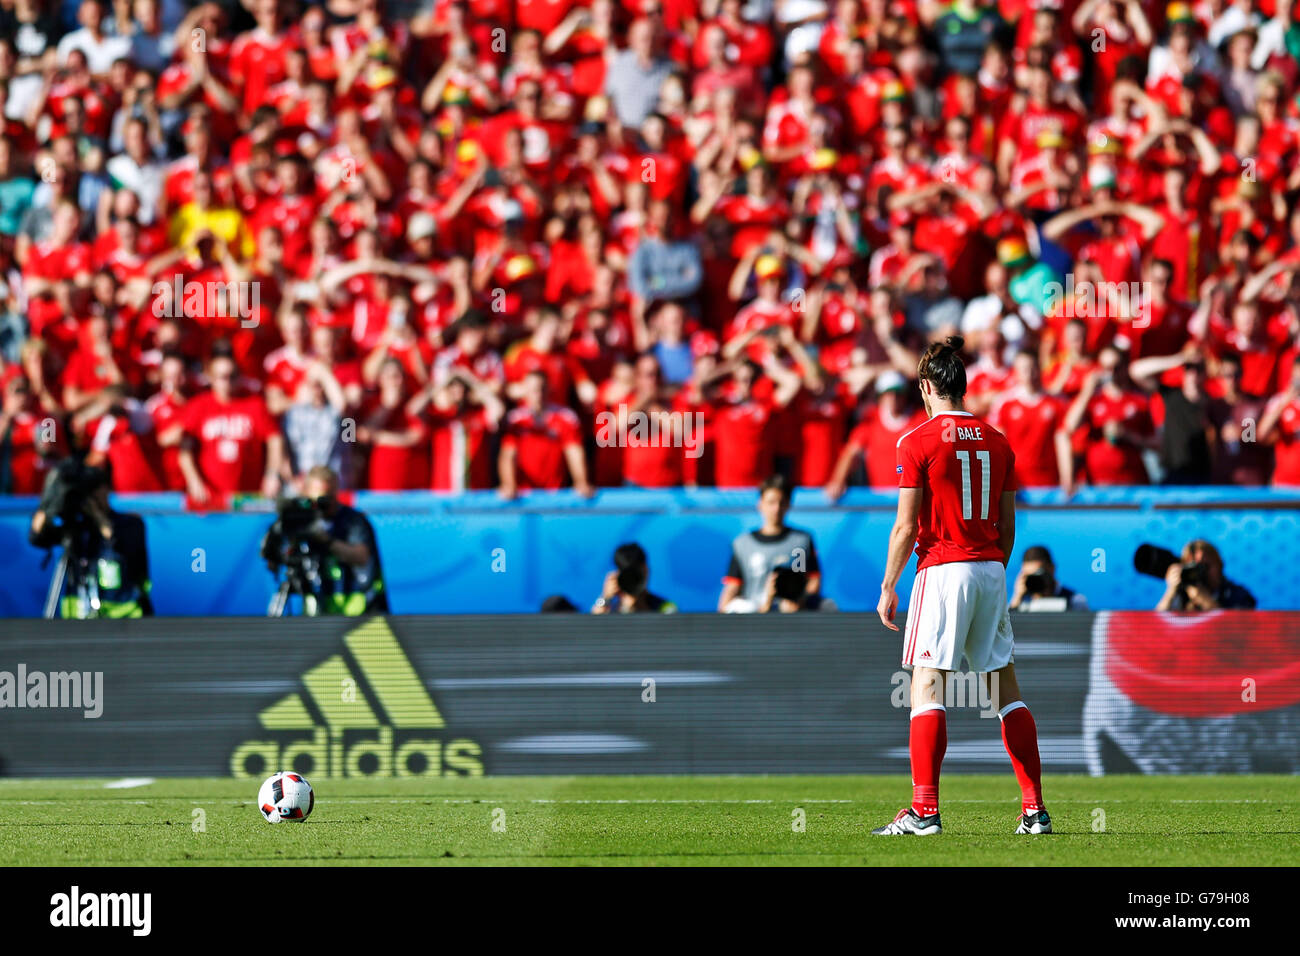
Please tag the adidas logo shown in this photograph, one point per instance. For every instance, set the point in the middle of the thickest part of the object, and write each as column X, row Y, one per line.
column 925, row 656
column 365, row 713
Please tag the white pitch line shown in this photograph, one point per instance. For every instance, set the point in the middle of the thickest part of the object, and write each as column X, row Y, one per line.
column 127, row 783
column 61, row 803
column 704, row 800
column 791, row 802
column 648, row 801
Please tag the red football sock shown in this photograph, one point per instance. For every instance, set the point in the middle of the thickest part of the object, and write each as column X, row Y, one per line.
column 1020, row 735
column 927, row 741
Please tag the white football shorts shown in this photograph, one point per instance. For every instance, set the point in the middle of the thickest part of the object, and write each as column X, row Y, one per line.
column 959, row 610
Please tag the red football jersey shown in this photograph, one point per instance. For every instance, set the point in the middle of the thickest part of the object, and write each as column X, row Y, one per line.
column 167, row 411
column 539, row 440
column 1286, row 471
column 293, row 216
column 286, row 370
column 27, row 466
column 820, row 438
column 257, row 64
column 1116, row 463
column 962, row 465
column 460, row 449
column 231, row 440
column 877, row 435
column 57, row 264
column 653, row 459
column 1030, row 424
column 743, row 447
column 130, row 454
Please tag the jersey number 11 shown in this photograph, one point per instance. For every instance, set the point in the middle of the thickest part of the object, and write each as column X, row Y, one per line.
column 983, row 458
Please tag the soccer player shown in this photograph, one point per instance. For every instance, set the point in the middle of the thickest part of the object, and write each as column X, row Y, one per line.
column 956, row 503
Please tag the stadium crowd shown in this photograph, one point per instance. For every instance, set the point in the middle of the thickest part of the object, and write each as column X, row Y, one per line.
column 532, row 243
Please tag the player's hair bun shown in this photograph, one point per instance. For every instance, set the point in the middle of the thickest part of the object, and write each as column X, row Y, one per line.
column 942, row 365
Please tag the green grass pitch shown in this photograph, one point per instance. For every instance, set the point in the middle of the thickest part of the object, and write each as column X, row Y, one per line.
column 749, row 821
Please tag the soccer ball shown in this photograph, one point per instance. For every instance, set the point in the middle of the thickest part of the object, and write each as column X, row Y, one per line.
column 286, row 796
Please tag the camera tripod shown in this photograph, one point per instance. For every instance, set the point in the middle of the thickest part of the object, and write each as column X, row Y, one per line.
column 297, row 580
column 86, row 585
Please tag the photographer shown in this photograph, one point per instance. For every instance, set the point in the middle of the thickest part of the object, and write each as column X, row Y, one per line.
column 107, row 561
column 1036, row 587
column 328, row 550
column 626, row 587
column 756, row 555
column 1197, row 582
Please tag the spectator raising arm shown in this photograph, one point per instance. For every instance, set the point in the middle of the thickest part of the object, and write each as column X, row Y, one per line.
column 788, row 382
column 1268, row 422
column 1146, row 372
column 1074, row 417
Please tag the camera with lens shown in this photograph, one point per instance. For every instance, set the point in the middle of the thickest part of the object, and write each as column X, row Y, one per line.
column 294, row 534
column 1155, row 561
column 1195, row 575
column 632, row 580
column 298, row 517
column 1039, row 584
column 68, row 488
column 791, row 585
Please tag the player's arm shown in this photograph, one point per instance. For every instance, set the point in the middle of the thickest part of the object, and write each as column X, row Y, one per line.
column 901, row 541
column 1007, row 525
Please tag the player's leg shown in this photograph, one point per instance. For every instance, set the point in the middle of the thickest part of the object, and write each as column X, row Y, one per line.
column 927, row 738
column 989, row 650
column 926, row 744
column 1020, row 737
column 937, row 619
